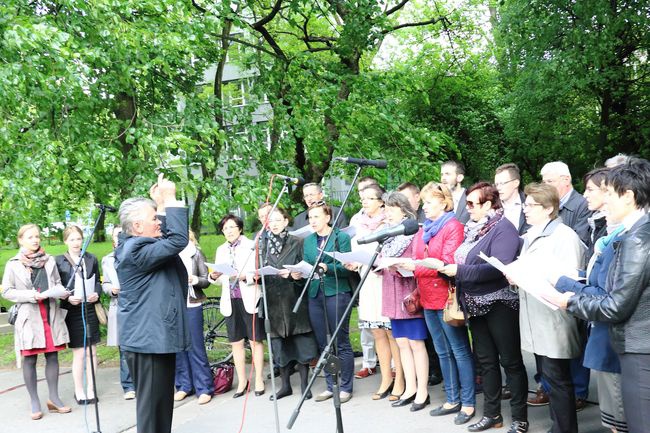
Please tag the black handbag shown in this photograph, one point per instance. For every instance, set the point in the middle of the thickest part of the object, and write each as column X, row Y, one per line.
column 13, row 314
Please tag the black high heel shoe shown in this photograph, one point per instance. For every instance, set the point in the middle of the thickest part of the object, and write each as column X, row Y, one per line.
column 403, row 402
column 383, row 395
column 240, row 393
column 419, row 406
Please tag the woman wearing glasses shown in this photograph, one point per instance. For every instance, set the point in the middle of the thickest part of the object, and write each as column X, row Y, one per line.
column 329, row 295
column 371, row 219
column 490, row 305
column 292, row 340
column 239, row 299
column 552, row 335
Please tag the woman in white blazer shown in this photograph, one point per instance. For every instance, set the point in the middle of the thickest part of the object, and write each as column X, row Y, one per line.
column 239, row 300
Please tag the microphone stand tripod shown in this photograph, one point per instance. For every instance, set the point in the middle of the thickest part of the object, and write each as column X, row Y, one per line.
column 267, row 321
column 84, row 305
column 329, row 361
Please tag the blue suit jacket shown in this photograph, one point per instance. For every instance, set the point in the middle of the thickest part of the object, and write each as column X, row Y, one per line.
column 153, row 288
column 599, row 353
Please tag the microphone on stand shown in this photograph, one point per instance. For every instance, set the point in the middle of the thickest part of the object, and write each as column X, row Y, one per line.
column 293, row 180
column 408, row 227
column 377, row 163
column 106, row 207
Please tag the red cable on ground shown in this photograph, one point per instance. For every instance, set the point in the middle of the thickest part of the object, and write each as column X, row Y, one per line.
column 257, row 267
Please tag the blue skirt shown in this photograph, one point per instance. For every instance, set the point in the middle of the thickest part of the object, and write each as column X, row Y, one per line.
column 413, row 329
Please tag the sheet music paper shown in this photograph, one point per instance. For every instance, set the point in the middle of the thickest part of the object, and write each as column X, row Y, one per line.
column 222, row 268
column 359, row 256
column 302, row 232
column 527, row 275
column 303, row 267
column 79, row 285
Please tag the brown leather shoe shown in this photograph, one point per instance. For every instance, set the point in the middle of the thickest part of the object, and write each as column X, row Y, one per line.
column 540, row 398
column 581, row 403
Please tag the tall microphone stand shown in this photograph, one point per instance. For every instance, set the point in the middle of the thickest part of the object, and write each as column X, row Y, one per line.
column 327, row 239
column 267, row 321
column 84, row 305
column 329, row 361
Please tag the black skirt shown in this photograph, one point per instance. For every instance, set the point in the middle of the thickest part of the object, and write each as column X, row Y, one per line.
column 301, row 348
column 239, row 324
column 76, row 326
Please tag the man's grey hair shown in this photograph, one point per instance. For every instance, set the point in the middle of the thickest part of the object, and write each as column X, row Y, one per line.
column 131, row 211
column 617, row 160
column 556, row 167
column 312, row 185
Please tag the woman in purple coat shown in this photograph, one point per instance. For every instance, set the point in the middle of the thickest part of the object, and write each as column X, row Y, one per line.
column 410, row 331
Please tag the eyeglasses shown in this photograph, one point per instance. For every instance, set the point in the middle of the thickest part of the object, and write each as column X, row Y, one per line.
column 498, row 184
column 472, row 204
column 525, row 205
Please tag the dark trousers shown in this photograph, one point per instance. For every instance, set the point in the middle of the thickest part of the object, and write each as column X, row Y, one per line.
column 334, row 308
column 635, row 387
column 153, row 376
column 496, row 342
column 192, row 367
column 562, row 400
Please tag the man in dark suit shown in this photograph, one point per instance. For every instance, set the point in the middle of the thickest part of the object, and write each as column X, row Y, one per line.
column 575, row 213
column 573, row 206
column 151, row 307
column 507, row 179
column 452, row 174
column 313, row 193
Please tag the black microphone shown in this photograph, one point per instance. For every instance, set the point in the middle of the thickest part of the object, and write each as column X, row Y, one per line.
column 377, row 163
column 408, row 227
column 293, row 180
column 106, row 207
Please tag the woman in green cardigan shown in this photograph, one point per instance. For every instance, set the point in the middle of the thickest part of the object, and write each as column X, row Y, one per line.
column 327, row 302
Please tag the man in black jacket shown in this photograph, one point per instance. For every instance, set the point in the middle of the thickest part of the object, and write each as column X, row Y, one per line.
column 151, row 307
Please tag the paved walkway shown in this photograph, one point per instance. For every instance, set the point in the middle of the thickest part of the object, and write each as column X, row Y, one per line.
column 224, row 414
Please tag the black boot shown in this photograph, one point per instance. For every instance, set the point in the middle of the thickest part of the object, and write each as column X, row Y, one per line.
column 286, row 384
column 303, row 369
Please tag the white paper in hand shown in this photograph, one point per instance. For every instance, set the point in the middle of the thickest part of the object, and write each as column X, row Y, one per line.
column 55, row 292
column 268, row 270
column 222, row 268
column 303, row 267
column 359, row 256
column 80, row 285
column 302, row 232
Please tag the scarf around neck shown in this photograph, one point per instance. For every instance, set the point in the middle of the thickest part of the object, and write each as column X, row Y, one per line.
column 35, row 259
column 276, row 242
column 431, row 228
column 474, row 231
column 371, row 223
column 395, row 246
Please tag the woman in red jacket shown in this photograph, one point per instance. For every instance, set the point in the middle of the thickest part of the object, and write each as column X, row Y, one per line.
column 439, row 238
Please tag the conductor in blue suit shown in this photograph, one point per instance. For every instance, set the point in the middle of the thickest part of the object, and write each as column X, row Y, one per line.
column 151, row 307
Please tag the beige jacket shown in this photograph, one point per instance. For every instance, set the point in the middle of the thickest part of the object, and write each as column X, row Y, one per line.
column 29, row 332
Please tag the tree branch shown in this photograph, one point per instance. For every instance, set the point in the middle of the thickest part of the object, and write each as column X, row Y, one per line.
column 418, row 24
column 200, row 8
column 261, row 23
column 397, row 7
